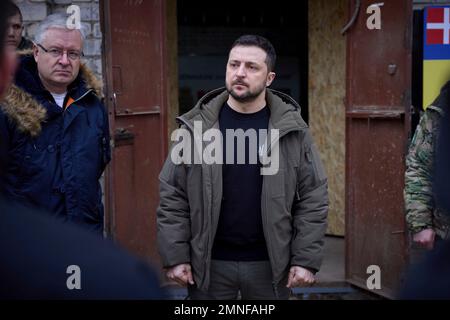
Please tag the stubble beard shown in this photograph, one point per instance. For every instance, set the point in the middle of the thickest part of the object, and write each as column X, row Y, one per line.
column 248, row 96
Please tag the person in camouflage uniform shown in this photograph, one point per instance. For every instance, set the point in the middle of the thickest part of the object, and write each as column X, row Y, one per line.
column 425, row 220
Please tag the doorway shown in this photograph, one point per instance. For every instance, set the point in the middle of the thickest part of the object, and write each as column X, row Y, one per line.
column 206, row 31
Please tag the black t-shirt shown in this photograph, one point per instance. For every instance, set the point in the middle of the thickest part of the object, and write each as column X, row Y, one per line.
column 240, row 234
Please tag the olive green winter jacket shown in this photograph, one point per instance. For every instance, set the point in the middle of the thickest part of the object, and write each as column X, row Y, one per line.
column 294, row 201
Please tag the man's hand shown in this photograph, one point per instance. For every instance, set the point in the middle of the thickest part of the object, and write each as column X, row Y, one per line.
column 299, row 276
column 181, row 274
column 425, row 238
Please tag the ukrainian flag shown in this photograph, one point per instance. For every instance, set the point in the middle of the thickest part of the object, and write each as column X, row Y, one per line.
column 436, row 52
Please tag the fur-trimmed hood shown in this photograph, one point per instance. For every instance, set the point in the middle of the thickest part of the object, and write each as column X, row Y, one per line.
column 20, row 103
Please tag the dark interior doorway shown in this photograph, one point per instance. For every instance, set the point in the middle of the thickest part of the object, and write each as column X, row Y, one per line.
column 207, row 29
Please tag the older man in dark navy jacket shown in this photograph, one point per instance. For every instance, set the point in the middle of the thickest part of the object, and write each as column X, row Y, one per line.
column 55, row 130
column 44, row 258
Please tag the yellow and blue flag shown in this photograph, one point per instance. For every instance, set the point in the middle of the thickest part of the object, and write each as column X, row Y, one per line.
column 436, row 51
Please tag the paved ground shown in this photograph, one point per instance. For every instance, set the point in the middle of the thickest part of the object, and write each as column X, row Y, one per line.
column 333, row 265
column 330, row 284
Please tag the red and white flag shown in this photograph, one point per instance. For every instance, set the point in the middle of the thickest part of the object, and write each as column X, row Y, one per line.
column 438, row 26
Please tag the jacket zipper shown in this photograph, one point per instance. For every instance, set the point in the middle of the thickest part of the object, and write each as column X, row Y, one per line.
column 264, row 209
column 207, row 249
column 266, row 218
column 186, row 123
column 84, row 95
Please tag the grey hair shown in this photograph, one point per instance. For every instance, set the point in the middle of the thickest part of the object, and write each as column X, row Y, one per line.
column 56, row 20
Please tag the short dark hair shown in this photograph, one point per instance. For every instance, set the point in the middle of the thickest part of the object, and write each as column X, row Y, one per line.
column 6, row 9
column 260, row 42
column 13, row 10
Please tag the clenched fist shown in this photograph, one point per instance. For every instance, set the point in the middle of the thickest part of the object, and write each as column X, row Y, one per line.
column 181, row 274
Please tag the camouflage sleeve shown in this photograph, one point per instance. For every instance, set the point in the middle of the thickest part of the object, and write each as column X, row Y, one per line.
column 418, row 177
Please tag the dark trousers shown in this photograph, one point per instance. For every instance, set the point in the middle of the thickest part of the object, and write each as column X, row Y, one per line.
column 247, row 280
column 418, row 253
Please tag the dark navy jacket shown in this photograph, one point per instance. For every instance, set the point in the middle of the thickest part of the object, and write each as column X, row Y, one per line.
column 52, row 158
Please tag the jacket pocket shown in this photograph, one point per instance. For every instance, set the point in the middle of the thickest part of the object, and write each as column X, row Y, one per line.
column 33, row 161
column 276, row 184
column 90, row 204
column 313, row 159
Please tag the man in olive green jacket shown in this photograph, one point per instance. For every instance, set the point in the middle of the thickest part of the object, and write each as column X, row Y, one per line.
column 203, row 242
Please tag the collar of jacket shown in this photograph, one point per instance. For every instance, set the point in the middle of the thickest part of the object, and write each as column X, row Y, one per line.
column 284, row 111
column 23, row 101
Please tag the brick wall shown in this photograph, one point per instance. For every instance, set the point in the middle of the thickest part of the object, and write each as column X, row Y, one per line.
column 34, row 11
